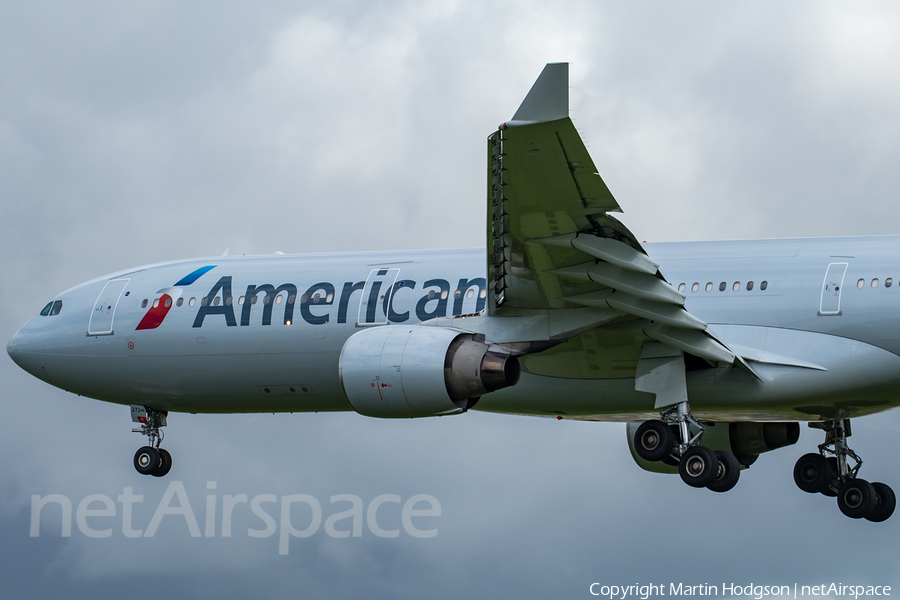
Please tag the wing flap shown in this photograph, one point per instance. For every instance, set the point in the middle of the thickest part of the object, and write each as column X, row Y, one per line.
column 552, row 242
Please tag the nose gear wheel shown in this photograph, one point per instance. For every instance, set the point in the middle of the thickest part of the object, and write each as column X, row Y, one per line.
column 151, row 459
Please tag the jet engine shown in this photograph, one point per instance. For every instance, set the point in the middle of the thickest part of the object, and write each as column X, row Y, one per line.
column 746, row 441
column 397, row 371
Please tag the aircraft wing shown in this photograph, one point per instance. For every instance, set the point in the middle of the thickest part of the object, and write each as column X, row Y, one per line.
column 552, row 243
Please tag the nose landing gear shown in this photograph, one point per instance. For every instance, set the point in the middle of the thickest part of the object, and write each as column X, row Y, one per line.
column 829, row 473
column 150, row 459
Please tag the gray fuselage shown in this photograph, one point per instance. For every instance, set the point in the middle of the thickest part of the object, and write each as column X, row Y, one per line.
column 822, row 344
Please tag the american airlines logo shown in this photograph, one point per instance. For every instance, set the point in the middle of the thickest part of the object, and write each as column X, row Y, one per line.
column 376, row 298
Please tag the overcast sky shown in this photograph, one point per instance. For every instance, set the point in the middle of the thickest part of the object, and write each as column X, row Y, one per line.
column 133, row 133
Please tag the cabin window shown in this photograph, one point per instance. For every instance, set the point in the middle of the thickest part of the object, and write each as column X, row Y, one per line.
column 304, row 298
column 179, row 302
column 240, row 300
column 192, row 301
column 722, row 286
column 860, row 283
column 216, row 301
column 168, row 302
column 482, row 294
column 292, row 298
column 156, row 303
column 431, row 294
column 763, row 285
column 457, row 295
column 709, row 286
column 266, row 299
column 736, row 286
column 681, row 287
column 695, row 287
column 228, row 301
column 875, row 283
column 316, row 297
column 749, row 285
column 254, row 299
column 888, row 282
column 204, row 300
column 278, row 299
column 46, row 310
column 444, row 295
column 470, row 293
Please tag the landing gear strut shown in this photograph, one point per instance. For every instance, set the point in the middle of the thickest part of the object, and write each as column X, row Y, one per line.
column 151, row 459
column 671, row 439
column 830, row 473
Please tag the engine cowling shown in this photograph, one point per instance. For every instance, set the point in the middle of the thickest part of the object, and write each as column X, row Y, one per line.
column 396, row 371
column 745, row 440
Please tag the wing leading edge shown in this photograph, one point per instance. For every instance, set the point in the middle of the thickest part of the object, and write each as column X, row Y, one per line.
column 552, row 243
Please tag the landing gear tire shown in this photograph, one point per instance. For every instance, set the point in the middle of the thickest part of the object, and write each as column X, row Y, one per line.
column 150, row 459
column 727, row 474
column 813, row 473
column 165, row 464
column 146, row 460
column 698, row 467
column 884, row 506
column 654, row 440
column 857, row 498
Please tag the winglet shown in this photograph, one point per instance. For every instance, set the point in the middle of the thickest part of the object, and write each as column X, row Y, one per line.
column 548, row 99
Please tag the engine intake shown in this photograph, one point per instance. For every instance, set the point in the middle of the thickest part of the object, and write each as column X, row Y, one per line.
column 396, row 371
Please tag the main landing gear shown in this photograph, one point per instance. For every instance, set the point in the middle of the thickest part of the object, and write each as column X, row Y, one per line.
column 670, row 440
column 151, row 459
column 829, row 473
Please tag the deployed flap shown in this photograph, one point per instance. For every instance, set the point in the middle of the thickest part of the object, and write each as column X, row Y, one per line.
column 552, row 242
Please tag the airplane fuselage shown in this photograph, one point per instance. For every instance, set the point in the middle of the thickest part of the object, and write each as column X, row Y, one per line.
column 264, row 334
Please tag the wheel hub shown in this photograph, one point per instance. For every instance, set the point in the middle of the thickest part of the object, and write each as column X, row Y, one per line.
column 695, row 466
column 853, row 498
column 650, row 440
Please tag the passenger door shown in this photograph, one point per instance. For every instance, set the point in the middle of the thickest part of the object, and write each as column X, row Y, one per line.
column 101, row 321
column 830, row 303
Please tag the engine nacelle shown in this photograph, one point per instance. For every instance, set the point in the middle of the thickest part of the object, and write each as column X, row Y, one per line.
column 398, row 371
column 745, row 440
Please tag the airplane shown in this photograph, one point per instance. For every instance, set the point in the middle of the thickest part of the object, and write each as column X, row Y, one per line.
column 712, row 352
